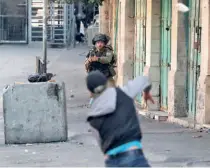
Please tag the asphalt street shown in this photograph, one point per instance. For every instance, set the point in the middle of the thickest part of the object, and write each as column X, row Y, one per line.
column 164, row 144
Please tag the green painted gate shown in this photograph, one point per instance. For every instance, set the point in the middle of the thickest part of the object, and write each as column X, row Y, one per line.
column 166, row 6
column 140, row 49
column 194, row 55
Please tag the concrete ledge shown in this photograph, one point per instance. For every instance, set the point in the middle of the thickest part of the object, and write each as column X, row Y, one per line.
column 188, row 123
column 206, row 126
column 156, row 115
column 35, row 113
column 185, row 122
column 163, row 116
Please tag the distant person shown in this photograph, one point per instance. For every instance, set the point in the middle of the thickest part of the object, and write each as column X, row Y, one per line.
column 114, row 118
column 101, row 57
column 80, row 38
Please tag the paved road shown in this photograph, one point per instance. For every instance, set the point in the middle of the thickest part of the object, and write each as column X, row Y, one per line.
column 164, row 144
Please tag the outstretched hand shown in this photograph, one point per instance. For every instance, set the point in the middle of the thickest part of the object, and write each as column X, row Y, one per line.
column 147, row 96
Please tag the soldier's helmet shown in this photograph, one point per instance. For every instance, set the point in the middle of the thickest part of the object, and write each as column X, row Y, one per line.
column 101, row 37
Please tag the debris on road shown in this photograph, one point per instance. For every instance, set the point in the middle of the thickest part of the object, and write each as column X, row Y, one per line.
column 198, row 136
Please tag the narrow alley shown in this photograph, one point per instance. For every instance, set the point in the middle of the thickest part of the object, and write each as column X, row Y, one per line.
column 165, row 144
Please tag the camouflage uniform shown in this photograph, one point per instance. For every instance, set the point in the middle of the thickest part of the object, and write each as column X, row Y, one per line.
column 104, row 63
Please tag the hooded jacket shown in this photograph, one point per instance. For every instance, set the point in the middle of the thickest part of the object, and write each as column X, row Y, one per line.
column 113, row 115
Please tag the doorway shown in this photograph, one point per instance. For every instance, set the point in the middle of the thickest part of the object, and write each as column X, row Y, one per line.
column 166, row 12
column 194, row 55
column 140, row 49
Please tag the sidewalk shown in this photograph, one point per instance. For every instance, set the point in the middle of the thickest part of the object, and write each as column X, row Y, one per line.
column 164, row 144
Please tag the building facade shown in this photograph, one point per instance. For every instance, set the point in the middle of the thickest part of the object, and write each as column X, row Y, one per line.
column 153, row 38
column 21, row 21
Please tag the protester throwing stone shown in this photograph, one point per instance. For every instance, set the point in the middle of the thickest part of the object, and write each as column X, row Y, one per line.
column 113, row 117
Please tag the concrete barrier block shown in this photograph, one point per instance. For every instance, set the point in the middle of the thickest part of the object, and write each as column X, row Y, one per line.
column 35, row 113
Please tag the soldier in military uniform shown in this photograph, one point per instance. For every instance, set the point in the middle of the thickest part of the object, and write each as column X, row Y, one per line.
column 101, row 57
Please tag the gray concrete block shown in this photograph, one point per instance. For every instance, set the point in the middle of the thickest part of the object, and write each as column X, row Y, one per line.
column 35, row 113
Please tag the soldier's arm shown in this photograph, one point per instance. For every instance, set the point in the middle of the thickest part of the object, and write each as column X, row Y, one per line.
column 87, row 63
column 107, row 59
column 90, row 53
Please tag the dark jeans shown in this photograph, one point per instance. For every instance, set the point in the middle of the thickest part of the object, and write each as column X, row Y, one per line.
column 134, row 158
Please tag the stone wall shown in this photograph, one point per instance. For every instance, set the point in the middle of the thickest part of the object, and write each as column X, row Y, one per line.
column 177, row 105
column 152, row 68
column 203, row 87
column 104, row 17
column 126, row 33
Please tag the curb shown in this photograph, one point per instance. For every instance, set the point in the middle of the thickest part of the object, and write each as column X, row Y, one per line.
column 185, row 123
column 156, row 115
column 163, row 117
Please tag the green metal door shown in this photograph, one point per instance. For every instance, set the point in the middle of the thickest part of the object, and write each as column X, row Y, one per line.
column 194, row 55
column 165, row 61
column 140, row 52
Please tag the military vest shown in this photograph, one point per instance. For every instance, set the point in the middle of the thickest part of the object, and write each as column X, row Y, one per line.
column 104, row 68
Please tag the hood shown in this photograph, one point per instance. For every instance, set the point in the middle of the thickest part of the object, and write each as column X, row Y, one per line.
column 104, row 104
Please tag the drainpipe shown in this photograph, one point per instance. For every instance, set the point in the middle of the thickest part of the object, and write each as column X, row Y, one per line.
column 45, row 10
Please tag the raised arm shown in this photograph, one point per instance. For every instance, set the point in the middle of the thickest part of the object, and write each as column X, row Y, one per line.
column 107, row 59
column 136, row 86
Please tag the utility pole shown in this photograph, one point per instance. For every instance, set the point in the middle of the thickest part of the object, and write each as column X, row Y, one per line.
column 45, row 13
